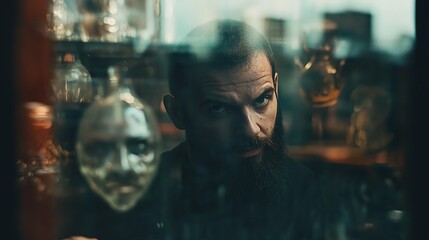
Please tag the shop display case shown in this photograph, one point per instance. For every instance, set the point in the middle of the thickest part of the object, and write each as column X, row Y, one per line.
column 348, row 102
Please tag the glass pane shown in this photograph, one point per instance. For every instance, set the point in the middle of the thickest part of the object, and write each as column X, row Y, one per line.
column 166, row 119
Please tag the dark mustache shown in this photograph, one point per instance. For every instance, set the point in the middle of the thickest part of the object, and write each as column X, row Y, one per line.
column 252, row 143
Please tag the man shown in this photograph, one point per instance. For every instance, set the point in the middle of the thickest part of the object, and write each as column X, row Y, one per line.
column 233, row 178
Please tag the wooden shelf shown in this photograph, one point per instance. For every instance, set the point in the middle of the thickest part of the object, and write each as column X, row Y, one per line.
column 343, row 154
column 99, row 49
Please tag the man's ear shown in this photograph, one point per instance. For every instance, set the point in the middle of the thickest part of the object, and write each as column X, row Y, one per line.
column 173, row 110
column 276, row 83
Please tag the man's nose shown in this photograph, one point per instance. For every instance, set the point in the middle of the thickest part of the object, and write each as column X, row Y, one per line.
column 250, row 122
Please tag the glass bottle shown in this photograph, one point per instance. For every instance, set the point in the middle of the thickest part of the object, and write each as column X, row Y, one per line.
column 38, row 164
column 72, row 81
column 142, row 27
column 321, row 80
column 368, row 128
column 60, row 20
column 102, row 20
column 320, row 77
column 44, row 156
column 118, row 145
column 72, row 91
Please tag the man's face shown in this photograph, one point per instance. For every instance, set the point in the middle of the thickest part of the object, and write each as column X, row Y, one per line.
column 232, row 112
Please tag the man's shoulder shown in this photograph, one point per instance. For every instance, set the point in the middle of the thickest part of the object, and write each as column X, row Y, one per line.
column 302, row 180
column 174, row 153
column 308, row 198
column 297, row 169
column 171, row 161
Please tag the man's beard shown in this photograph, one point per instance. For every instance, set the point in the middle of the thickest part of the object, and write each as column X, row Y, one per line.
column 265, row 172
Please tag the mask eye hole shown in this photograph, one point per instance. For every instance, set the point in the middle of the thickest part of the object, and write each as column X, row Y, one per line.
column 99, row 149
column 137, row 146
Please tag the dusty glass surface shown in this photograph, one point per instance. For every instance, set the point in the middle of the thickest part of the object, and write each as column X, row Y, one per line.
column 341, row 71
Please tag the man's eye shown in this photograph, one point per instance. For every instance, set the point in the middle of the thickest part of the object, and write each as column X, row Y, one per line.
column 217, row 109
column 262, row 101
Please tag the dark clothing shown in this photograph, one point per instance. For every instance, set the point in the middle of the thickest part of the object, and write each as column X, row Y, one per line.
column 182, row 204
column 234, row 208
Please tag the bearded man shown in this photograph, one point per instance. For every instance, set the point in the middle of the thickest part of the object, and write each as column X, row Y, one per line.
column 232, row 177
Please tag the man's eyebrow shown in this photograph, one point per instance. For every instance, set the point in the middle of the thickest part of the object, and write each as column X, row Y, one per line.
column 266, row 91
column 231, row 101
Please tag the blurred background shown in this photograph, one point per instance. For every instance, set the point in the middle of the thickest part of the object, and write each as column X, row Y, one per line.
column 351, row 91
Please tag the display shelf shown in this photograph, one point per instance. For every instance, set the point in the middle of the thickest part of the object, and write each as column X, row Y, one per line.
column 344, row 154
column 98, row 56
column 99, row 49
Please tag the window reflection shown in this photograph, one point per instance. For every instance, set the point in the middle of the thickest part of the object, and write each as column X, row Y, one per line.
column 341, row 104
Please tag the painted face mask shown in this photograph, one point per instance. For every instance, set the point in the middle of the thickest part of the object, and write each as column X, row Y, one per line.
column 118, row 148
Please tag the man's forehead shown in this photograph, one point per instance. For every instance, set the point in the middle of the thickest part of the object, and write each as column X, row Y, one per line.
column 257, row 68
